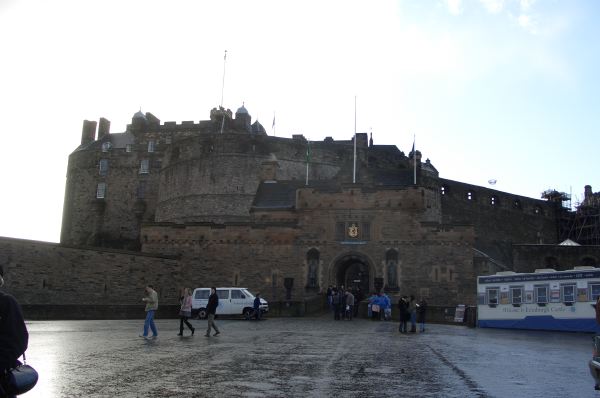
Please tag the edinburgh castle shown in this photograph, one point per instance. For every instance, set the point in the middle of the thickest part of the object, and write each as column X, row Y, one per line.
column 222, row 203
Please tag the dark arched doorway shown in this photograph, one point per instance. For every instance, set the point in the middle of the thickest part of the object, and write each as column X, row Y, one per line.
column 353, row 271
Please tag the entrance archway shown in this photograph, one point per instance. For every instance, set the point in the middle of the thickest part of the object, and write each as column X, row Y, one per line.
column 353, row 270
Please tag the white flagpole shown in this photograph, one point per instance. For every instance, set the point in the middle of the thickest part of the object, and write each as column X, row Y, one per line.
column 222, row 91
column 354, row 169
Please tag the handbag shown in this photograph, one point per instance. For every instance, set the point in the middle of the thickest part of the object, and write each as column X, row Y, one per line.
column 21, row 379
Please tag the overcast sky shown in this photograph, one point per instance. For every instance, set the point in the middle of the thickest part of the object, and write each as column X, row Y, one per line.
column 492, row 89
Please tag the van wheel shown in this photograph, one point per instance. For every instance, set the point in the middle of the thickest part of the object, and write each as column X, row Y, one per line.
column 248, row 312
column 202, row 313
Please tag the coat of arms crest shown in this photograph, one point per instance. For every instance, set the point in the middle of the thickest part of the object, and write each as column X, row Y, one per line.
column 353, row 231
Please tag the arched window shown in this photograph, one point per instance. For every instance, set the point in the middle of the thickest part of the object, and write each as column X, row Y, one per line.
column 589, row 262
column 443, row 190
column 391, row 264
column 470, row 195
column 312, row 260
column 494, row 200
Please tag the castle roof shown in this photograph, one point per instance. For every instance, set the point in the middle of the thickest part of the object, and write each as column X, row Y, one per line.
column 139, row 115
column 241, row 110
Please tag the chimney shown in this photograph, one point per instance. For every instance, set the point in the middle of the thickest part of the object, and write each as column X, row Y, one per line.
column 103, row 128
column 587, row 194
column 88, row 132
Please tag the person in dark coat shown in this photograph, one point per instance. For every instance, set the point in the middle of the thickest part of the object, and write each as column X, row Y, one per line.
column 421, row 312
column 257, row 313
column 404, row 314
column 211, row 309
column 13, row 333
column 335, row 299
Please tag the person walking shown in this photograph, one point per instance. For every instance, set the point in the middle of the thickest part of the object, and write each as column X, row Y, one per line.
column 330, row 297
column 404, row 315
column 349, row 305
column 257, row 313
column 421, row 311
column 412, row 309
column 185, row 312
column 151, row 300
column 211, row 308
column 13, row 334
column 358, row 297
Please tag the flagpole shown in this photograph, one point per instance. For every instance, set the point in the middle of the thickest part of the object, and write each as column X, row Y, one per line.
column 354, row 168
column 222, row 91
column 415, row 159
column 307, row 159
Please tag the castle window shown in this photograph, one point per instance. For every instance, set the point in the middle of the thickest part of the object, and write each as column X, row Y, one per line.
column 151, row 146
column 366, row 231
column 494, row 200
column 106, row 146
column 443, row 190
column 537, row 210
column 101, row 190
column 144, row 166
column 128, row 148
column 141, row 190
column 103, row 167
column 340, row 230
column 470, row 195
column 168, row 140
column 517, row 204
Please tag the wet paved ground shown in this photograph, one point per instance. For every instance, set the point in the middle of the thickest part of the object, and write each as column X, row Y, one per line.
column 305, row 357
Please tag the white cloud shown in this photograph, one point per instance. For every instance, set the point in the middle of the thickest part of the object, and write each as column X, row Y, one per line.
column 493, row 6
column 454, row 6
column 526, row 4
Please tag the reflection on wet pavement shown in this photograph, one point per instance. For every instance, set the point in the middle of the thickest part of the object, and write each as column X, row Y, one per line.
column 302, row 357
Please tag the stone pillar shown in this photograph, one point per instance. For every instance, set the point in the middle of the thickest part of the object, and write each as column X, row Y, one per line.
column 88, row 132
column 103, row 128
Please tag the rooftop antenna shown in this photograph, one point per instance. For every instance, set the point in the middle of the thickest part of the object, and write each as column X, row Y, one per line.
column 354, row 168
column 222, row 91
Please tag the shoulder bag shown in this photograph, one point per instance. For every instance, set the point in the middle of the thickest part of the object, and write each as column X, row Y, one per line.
column 21, row 379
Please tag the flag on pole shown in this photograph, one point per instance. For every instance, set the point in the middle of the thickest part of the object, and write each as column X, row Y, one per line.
column 273, row 126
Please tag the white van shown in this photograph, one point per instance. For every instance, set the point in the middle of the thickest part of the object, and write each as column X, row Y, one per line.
column 232, row 301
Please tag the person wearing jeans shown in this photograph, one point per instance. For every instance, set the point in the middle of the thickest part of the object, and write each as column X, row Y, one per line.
column 151, row 301
column 211, row 308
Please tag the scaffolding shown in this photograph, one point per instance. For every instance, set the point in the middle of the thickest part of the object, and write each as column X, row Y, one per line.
column 585, row 228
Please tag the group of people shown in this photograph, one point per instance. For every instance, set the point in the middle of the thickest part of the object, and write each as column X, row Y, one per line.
column 343, row 302
column 413, row 311
column 380, row 307
column 185, row 312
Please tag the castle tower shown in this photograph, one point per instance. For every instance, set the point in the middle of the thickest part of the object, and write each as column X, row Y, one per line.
column 242, row 119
